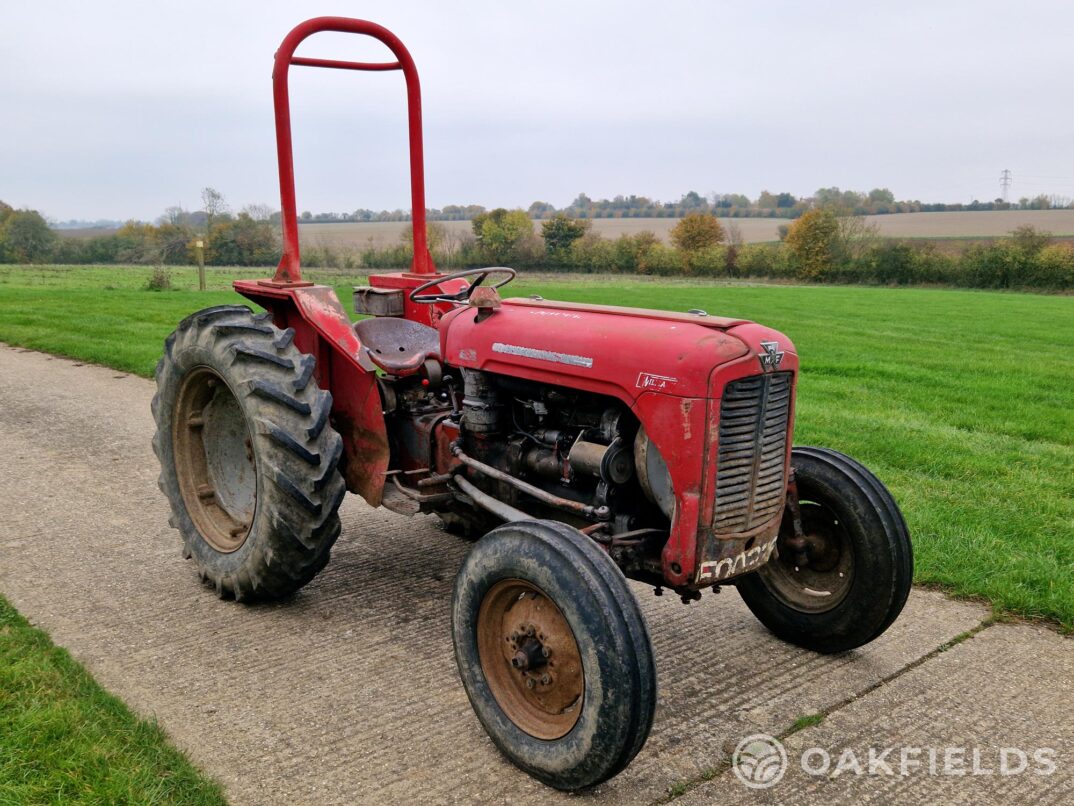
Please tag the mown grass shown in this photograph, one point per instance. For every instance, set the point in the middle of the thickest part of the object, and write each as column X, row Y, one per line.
column 961, row 401
column 65, row 740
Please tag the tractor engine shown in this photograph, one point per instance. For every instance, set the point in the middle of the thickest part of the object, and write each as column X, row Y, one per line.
column 523, row 449
column 574, row 445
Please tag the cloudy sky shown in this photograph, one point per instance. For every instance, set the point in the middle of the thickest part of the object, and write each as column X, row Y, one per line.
column 120, row 108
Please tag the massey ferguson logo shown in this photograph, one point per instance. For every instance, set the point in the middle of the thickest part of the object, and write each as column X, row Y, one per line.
column 770, row 356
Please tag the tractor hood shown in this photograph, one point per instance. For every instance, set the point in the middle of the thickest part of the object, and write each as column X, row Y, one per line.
column 605, row 349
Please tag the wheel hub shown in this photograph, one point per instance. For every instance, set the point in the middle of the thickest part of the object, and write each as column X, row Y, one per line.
column 822, row 550
column 530, row 659
column 812, row 572
column 530, row 653
column 214, row 460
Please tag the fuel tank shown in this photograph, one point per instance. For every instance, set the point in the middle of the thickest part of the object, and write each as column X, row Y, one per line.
column 623, row 352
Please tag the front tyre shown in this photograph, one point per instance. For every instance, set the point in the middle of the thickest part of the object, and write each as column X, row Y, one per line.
column 554, row 653
column 248, row 460
column 855, row 575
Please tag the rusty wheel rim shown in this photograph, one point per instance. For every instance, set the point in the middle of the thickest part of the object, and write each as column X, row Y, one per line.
column 824, row 581
column 530, row 658
column 214, row 460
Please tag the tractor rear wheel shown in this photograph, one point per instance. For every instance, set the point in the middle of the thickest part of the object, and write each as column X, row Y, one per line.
column 857, row 567
column 554, row 653
column 248, row 460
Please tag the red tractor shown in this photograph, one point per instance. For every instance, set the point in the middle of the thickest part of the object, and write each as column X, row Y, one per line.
column 588, row 444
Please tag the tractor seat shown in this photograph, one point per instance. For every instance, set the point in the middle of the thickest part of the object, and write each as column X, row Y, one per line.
column 398, row 346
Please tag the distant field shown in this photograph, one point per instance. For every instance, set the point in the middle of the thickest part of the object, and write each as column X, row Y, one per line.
column 386, row 233
column 985, row 224
column 85, row 232
column 963, row 225
column 962, row 401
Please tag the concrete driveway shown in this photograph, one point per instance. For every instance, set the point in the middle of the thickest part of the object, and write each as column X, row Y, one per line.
column 348, row 693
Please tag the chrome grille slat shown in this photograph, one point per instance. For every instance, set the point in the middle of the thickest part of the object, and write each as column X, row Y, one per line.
column 750, row 481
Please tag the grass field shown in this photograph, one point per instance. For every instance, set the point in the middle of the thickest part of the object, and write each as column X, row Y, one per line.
column 963, row 402
column 63, row 740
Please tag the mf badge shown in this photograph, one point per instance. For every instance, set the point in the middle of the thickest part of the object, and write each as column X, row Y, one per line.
column 770, row 356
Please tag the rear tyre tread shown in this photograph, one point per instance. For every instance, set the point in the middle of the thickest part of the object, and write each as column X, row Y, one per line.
column 289, row 486
column 275, row 392
column 241, row 352
column 284, row 338
column 295, row 520
column 284, row 439
column 322, row 407
column 329, row 465
column 206, row 315
column 241, row 328
column 306, row 367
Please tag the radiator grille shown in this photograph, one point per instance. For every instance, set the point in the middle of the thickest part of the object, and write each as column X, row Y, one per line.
column 753, row 444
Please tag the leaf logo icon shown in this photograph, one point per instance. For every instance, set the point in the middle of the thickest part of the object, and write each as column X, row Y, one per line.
column 759, row 761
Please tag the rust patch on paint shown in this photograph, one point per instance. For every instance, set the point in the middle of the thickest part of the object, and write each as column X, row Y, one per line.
column 686, row 405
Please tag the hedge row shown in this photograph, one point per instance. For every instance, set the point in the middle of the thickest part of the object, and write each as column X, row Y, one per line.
column 1027, row 259
column 1004, row 263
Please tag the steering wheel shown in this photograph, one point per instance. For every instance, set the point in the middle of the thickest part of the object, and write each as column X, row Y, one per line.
column 462, row 296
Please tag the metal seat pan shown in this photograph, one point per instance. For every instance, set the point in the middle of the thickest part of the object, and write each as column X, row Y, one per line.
column 398, row 346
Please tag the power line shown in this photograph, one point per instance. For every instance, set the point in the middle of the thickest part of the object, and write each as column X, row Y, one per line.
column 1005, row 183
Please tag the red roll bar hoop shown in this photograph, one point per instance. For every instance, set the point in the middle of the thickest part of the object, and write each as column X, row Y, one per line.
column 289, row 272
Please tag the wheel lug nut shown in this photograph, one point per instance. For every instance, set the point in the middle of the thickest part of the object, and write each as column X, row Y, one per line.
column 545, row 652
column 545, row 680
column 530, row 682
column 529, row 631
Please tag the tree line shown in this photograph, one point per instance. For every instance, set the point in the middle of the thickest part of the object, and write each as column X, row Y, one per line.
column 821, row 246
column 878, row 201
column 247, row 238
column 824, row 244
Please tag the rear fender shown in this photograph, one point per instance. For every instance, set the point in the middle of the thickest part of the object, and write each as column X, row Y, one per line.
column 323, row 329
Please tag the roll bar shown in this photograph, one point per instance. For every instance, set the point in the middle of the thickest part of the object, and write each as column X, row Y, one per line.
column 289, row 272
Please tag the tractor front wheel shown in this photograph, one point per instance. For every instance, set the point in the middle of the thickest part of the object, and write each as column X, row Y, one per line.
column 554, row 653
column 850, row 580
column 249, row 462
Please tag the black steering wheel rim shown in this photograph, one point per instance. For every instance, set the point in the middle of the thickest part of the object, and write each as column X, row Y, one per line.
column 464, row 294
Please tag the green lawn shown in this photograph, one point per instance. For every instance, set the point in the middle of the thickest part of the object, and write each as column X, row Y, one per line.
column 961, row 401
column 65, row 740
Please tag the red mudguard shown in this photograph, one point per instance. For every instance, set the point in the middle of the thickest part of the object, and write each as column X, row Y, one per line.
column 323, row 329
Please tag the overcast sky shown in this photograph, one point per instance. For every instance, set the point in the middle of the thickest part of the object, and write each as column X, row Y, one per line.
column 120, row 109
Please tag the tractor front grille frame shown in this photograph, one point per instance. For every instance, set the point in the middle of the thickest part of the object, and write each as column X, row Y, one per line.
column 752, row 451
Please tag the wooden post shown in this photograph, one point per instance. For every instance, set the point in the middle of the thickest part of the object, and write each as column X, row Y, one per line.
column 199, row 250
